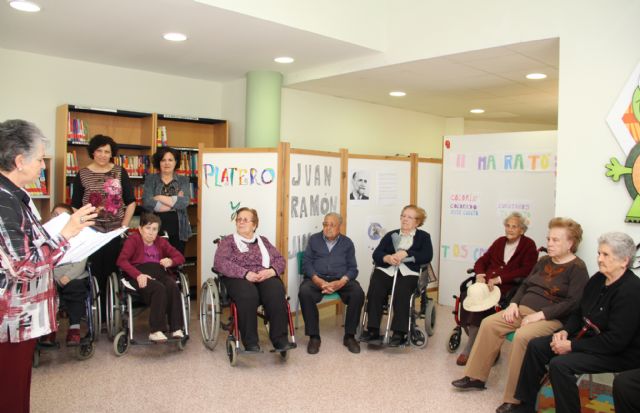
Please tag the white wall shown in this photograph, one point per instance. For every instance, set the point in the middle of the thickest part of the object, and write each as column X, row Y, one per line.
column 473, row 127
column 233, row 110
column 33, row 85
column 313, row 121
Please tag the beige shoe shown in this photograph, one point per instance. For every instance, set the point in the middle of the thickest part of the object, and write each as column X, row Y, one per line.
column 157, row 336
column 177, row 334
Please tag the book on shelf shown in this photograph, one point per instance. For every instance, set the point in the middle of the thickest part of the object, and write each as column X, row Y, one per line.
column 72, row 167
column 39, row 187
column 161, row 137
column 137, row 193
column 188, row 163
column 194, row 193
column 77, row 131
column 137, row 166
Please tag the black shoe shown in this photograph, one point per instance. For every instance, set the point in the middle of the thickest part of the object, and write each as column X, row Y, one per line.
column 252, row 348
column 314, row 345
column 370, row 336
column 351, row 343
column 468, row 383
column 508, row 408
column 283, row 345
column 397, row 340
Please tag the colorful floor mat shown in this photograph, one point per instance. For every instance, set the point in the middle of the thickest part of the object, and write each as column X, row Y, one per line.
column 602, row 401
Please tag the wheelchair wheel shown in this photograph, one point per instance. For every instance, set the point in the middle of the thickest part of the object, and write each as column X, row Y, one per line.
column 182, row 343
column 210, row 313
column 114, row 317
column 85, row 351
column 184, row 289
column 96, row 316
column 418, row 337
column 454, row 340
column 36, row 358
column 232, row 351
column 121, row 343
column 430, row 317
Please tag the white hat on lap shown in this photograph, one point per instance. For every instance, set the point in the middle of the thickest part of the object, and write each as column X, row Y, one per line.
column 479, row 298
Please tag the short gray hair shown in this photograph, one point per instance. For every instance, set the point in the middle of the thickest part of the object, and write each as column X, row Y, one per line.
column 522, row 221
column 336, row 215
column 622, row 245
column 18, row 137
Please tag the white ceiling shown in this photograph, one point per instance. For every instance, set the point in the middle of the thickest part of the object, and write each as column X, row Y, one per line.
column 224, row 45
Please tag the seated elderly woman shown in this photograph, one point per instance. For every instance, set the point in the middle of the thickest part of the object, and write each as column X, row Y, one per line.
column 399, row 255
column 509, row 258
column 601, row 335
column 250, row 267
column 145, row 258
column 547, row 296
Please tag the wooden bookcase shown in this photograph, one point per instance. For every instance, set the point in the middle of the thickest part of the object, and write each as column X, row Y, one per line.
column 42, row 201
column 185, row 134
column 136, row 134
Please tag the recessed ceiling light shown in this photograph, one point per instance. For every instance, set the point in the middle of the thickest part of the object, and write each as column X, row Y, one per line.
column 284, row 59
column 536, row 76
column 477, row 110
column 175, row 37
column 397, row 93
column 24, row 5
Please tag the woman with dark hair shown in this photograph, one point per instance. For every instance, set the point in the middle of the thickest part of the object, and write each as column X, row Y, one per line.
column 28, row 304
column 168, row 195
column 400, row 254
column 250, row 267
column 145, row 258
column 107, row 187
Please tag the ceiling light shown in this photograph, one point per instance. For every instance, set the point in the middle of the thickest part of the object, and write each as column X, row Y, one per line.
column 478, row 110
column 175, row 37
column 536, row 76
column 24, row 5
column 284, row 59
column 397, row 93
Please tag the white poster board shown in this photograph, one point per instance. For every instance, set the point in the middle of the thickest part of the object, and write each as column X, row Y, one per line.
column 314, row 191
column 430, row 198
column 232, row 180
column 388, row 190
column 486, row 177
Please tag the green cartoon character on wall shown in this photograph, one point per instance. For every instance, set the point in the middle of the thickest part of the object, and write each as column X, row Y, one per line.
column 624, row 121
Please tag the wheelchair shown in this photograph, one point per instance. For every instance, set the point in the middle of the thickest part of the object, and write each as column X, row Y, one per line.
column 124, row 304
column 93, row 321
column 418, row 335
column 214, row 298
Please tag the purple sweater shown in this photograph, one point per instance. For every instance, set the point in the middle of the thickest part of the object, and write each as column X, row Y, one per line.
column 132, row 254
column 230, row 262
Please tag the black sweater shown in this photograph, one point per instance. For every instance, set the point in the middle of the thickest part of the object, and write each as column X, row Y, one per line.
column 615, row 309
column 421, row 250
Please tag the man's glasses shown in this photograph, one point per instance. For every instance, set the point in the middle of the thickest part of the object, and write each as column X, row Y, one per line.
column 243, row 220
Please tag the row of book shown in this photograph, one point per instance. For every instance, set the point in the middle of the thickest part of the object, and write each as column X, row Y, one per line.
column 188, row 164
column 138, row 192
column 136, row 166
column 161, row 136
column 39, row 187
column 77, row 130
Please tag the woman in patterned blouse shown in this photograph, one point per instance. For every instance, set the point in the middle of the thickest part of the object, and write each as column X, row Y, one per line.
column 28, row 253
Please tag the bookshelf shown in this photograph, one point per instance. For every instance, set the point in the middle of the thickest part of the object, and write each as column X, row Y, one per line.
column 184, row 134
column 40, row 191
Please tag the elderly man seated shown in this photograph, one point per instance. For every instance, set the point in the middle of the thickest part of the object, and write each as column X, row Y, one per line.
column 329, row 266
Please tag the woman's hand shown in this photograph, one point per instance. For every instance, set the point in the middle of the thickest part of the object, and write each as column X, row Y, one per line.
column 511, row 313
column 559, row 336
column 391, row 259
column 79, row 220
column 493, row 282
column 481, row 278
column 266, row 274
column 142, row 280
column 166, row 262
column 532, row 318
column 252, row 277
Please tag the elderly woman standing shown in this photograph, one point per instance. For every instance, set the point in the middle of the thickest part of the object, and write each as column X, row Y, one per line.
column 601, row 335
column 168, row 195
column 510, row 257
column 250, row 267
column 547, row 296
column 28, row 253
column 107, row 187
column 399, row 254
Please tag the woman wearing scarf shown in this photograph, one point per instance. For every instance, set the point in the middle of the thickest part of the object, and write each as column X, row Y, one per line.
column 250, row 267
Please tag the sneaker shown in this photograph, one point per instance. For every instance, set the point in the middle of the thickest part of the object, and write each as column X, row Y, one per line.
column 73, row 337
column 158, row 336
column 177, row 334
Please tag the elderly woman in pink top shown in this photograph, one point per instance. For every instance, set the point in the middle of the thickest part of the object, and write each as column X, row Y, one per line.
column 250, row 268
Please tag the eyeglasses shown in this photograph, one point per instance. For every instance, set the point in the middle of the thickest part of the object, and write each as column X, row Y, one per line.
column 407, row 216
column 330, row 224
column 243, row 220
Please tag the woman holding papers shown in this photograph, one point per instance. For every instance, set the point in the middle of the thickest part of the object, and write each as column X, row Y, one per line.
column 399, row 255
column 168, row 195
column 107, row 187
column 27, row 255
column 145, row 258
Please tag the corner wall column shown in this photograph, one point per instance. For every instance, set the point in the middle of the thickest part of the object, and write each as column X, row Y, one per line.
column 262, row 120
